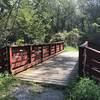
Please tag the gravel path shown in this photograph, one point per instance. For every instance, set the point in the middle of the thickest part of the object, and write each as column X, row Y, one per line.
column 37, row 92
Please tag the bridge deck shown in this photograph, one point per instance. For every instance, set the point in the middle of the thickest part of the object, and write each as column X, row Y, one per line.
column 59, row 70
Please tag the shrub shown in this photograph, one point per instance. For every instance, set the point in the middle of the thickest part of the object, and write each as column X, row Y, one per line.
column 20, row 42
column 57, row 37
column 72, row 37
column 85, row 89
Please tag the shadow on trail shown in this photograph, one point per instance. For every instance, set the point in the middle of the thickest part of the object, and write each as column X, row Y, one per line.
column 58, row 70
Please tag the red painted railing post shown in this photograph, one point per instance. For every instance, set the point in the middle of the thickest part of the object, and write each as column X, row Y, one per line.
column 60, row 46
column 42, row 51
column 55, row 48
column 49, row 49
column 63, row 46
column 30, row 53
column 9, row 51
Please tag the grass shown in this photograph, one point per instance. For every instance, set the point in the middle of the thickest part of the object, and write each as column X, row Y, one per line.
column 8, row 85
column 7, row 82
column 69, row 48
column 83, row 89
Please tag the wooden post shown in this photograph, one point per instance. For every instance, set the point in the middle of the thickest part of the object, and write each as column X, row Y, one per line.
column 9, row 53
column 49, row 49
column 81, row 59
column 60, row 46
column 42, row 53
column 55, row 48
column 30, row 53
column 63, row 46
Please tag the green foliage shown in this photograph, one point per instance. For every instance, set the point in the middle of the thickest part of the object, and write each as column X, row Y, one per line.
column 85, row 89
column 95, row 30
column 72, row 37
column 57, row 37
column 98, row 20
column 20, row 42
column 95, row 27
column 7, row 82
column 37, row 21
column 90, row 23
column 36, row 18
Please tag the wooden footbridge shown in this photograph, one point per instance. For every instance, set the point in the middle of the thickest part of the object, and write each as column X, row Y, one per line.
column 41, row 63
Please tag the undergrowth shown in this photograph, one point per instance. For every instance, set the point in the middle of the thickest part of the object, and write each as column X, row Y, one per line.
column 83, row 89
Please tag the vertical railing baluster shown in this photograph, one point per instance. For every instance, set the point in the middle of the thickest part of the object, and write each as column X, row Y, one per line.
column 42, row 56
column 9, row 49
column 55, row 48
column 81, row 59
column 30, row 53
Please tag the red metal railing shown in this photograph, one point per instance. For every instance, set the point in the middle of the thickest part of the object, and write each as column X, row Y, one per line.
column 23, row 57
column 89, row 61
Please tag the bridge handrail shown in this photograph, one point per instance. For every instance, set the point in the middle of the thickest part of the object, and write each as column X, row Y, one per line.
column 88, row 58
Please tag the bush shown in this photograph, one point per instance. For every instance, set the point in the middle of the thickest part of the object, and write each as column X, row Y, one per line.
column 72, row 37
column 57, row 37
column 85, row 89
column 20, row 42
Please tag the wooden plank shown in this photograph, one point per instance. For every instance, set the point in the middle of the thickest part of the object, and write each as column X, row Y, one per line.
column 92, row 53
column 93, row 62
column 19, row 64
column 18, row 70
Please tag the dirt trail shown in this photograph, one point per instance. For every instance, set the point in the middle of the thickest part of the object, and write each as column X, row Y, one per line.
column 26, row 92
